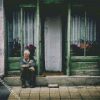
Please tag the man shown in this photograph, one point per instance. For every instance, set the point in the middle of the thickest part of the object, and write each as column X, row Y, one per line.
column 27, row 70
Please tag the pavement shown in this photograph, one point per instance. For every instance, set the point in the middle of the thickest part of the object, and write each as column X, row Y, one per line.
column 60, row 93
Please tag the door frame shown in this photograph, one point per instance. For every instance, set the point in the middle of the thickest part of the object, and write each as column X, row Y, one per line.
column 64, row 43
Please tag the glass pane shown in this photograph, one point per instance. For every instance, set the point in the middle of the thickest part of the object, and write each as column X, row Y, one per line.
column 85, row 32
column 77, row 31
column 28, row 26
column 13, row 26
column 28, row 29
column 13, row 31
column 92, row 33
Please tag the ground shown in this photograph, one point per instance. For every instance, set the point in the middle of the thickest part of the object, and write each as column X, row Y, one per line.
column 61, row 93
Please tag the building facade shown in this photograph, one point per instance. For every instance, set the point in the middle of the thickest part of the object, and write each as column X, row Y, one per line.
column 66, row 35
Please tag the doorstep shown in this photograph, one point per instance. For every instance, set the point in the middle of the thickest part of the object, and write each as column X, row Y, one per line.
column 60, row 80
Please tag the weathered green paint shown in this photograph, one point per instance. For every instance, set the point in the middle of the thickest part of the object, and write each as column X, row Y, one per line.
column 68, row 39
column 85, row 58
column 85, row 72
column 14, row 59
column 14, row 63
column 52, row 1
column 21, row 30
column 85, row 32
column 14, row 66
column 27, row 6
column 85, row 65
column 38, row 37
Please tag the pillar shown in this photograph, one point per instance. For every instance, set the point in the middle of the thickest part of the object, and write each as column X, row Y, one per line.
column 1, row 38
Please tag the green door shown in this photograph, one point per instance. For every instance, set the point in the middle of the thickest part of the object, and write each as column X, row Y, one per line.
column 20, row 33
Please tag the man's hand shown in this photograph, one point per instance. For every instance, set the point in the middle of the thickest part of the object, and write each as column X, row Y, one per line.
column 32, row 68
column 25, row 65
column 30, row 62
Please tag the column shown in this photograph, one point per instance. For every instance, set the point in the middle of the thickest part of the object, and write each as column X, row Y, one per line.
column 68, row 40
column 38, row 37
column 1, row 38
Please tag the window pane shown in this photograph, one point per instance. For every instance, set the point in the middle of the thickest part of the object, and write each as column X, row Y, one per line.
column 28, row 29
column 13, row 31
column 85, row 38
column 16, row 34
column 28, row 26
column 92, row 33
column 77, row 31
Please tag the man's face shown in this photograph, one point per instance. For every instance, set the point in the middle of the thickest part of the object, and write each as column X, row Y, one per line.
column 26, row 56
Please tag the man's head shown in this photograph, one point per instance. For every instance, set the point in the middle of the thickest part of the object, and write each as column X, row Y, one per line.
column 26, row 54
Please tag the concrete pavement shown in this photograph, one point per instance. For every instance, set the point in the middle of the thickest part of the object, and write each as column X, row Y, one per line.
column 61, row 93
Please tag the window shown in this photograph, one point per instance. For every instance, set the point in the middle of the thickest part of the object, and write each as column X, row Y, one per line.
column 20, row 30
column 13, row 31
column 85, row 33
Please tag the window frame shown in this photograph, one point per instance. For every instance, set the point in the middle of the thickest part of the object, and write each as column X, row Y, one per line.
column 85, row 30
column 16, row 60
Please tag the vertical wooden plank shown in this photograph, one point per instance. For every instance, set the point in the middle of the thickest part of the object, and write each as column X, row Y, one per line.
column 95, row 31
column 85, row 34
column 24, row 29
column 38, row 37
column 22, row 33
column 68, row 39
column 19, row 24
column 1, row 38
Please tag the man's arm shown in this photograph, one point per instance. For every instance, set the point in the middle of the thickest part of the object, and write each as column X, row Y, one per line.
column 32, row 65
column 25, row 65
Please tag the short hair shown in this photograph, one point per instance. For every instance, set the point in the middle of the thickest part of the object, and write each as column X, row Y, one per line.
column 27, row 51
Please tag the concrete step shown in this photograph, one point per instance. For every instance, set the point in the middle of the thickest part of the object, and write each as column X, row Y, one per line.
column 60, row 80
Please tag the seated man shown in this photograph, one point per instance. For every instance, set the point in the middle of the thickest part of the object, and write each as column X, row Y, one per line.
column 27, row 70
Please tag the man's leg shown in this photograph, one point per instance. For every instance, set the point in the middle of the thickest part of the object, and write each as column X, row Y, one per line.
column 23, row 77
column 32, row 78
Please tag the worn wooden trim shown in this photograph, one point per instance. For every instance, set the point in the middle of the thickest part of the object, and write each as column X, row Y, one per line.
column 84, row 65
column 27, row 6
column 14, row 59
column 85, row 58
column 21, row 31
column 86, row 72
column 38, row 37
column 68, row 40
column 85, row 34
column 14, row 63
column 52, row 1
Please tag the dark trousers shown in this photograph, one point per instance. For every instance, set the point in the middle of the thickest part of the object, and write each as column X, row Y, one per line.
column 28, row 75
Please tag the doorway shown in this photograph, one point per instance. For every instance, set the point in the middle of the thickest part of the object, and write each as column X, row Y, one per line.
column 53, row 43
column 54, row 35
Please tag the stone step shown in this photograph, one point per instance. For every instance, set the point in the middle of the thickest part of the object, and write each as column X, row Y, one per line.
column 60, row 80
column 53, row 85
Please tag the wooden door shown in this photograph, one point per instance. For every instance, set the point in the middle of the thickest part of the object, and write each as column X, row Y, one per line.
column 53, row 43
